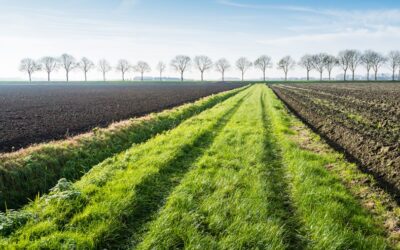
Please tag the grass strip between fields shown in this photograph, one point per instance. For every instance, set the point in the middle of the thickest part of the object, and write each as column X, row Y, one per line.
column 332, row 218
column 232, row 198
column 35, row 170
column 362, row 185
column 121, row 192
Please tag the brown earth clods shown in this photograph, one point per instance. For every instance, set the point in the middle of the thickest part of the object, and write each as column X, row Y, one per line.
column 42, row 112
column 361, row 119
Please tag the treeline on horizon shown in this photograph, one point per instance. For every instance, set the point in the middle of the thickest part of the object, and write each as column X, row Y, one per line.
column 347, row 60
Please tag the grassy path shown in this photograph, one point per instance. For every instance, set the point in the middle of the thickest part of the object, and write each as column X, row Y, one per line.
column 230, row 200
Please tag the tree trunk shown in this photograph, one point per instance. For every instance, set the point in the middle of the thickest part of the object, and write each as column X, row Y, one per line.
column 367, row 74
column 104, row 76
column 67, row 76
column 202, row 74
column 30, row 76
column 160, row 76
column 264, row 75
column 329, row 73
column 345, row 74
column 223, row 76
column 85, row 76
column 123, row 76
column 242, row 76
column 393, row 73
column 182, row 76
column 320, row 76
column 285, row 76
column 376, row 75
column 48, row 76
column 308, row 75
column 352, row 75
column 142, row 77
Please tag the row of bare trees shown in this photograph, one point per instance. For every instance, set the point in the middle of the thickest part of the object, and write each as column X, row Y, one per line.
column 347, row 60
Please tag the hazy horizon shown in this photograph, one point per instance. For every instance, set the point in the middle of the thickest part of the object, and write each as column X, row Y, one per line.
column 158, row 30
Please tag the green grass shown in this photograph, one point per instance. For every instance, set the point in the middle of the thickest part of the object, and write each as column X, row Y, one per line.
column 94, row 211
column 33, row 171
column 240, row 175
column 363, row 186
column 332, row 218
column 231, row 199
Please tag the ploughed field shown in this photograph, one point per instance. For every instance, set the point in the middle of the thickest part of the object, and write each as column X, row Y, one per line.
column 362, row 119
column 231, row 171
column 36, row 113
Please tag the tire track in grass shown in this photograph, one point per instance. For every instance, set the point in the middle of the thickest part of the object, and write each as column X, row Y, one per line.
column 151, row 193
column 279, row 188
column 102, row 202
column 331, row 217
column 225, row 202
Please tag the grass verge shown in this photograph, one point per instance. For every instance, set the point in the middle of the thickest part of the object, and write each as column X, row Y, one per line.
column 98, row 210
column 33, row 171
column 332, row 217
column 363, row 186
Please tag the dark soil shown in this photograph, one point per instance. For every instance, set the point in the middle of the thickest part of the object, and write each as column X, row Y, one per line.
column 361, row 119
column 42, row 112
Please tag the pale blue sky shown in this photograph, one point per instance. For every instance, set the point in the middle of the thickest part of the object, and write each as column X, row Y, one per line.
column 154, row 30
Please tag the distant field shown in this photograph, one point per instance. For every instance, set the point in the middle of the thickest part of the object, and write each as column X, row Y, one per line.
column 32, row 113
column 363, row 119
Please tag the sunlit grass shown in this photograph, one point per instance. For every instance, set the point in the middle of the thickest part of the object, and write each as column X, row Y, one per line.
column 332, row 218
column 230, row 200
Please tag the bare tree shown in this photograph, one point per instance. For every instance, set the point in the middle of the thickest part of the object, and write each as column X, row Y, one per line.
column 104, row 67
column 29, row 66
column 343, row 61
column 330, row 63
column 378, row 61
column 394, row 62
column 181, row 63
column 285, row 64
column 263, row 63
column 203, row 63
column 123, row 66
column 354, row 57
column 307, row 62
column 222, row 65
column 161, row 66
column 85, row 65
column 142, row 67
column 367, row 60
column 68, row 62
column 318, row 62
column 49, row 64
column 243, row 65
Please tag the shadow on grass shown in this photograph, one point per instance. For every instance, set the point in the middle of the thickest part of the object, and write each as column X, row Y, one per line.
column 153, row 191
column 279, row 202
